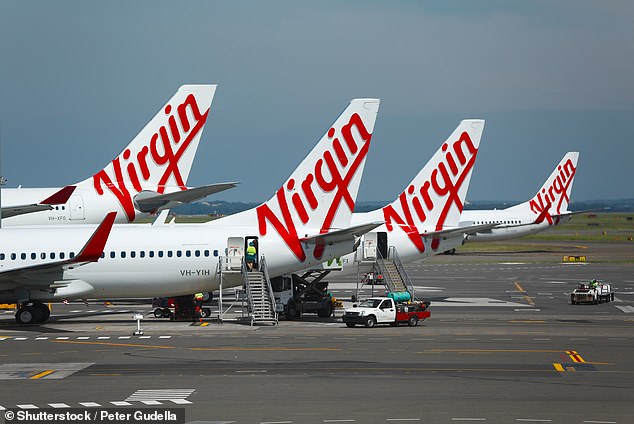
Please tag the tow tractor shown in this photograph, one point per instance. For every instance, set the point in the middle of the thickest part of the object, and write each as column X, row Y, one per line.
column 593, row 292
column 392, row 310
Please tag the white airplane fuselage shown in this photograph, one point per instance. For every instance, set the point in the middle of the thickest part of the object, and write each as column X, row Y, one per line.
column 160, row 261
column 84, row 206
column 512, row 224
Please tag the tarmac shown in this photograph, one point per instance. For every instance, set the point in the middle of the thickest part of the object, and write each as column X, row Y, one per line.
column 503, row 345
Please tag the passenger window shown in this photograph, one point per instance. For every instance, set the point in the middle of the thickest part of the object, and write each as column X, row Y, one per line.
column 13, row 256
column 33, row 256
column 151, row 253
column 42, row 256
column 215, row 253
column 123, row 253
column 1, row 256
column 142, row 254
column 52, row 255
column 160, row 253
column 113, row 254
column 133, row 254
column 197, row 253
column 179, row 253
column 188, row 253
column 23, row 256
column 103, row 255
column 169, row 253
column 62, row 255
column 71, row 254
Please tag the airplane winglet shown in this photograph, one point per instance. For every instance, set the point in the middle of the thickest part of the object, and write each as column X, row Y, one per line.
column 92, row 250
column 60, row 197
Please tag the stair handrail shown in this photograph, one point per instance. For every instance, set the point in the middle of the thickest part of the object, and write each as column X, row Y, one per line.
column 265, row 271
column 247, row 287
column 396, row 259
column 379, row 266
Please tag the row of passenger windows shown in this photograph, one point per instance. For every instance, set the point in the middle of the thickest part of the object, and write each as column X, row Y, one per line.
column 499, row 222
column 113, row 254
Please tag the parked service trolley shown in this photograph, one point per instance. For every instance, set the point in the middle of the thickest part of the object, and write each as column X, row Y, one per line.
column 594, row 292
column 384, row 310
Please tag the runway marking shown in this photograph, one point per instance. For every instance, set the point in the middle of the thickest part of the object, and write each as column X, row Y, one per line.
column 259, row 349
column 90, row 404
column 27, row 406
column 58, row 405
column 42, row 374
column 113, row 344
column 558, row 367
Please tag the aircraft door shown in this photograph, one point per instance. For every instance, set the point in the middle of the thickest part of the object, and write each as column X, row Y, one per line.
column 76, row 204
column 235, row 253
column 252, row 253
column 369, row 246
column 382, row 243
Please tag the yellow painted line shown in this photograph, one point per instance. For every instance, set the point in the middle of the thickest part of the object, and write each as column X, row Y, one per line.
column 204, row 324
column 494, row 350
column 571, row 352
column 519, row 287
column 581, row 247
column 114, row 344
column 261, row 349
column 42, row 374
column 528, row 321
column 558, row 367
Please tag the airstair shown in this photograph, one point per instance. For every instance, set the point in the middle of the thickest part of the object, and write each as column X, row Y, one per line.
column 260, row 298
column 394, row 275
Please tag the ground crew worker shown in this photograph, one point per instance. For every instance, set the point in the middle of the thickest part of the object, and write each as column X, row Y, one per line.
column 251, row 254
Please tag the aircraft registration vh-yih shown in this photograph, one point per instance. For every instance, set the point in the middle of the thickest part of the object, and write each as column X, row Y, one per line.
column 148, row 176
column 306, row 222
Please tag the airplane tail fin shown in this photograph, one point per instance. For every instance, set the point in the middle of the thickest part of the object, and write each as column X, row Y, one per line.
column 434, row 199
column 160, row 157
column 554, row 195
column 320, row 194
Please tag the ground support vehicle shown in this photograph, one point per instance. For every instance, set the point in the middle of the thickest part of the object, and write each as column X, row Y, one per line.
column 384, row 310
column 296, row 295
column 181, row 308
column 592, row 293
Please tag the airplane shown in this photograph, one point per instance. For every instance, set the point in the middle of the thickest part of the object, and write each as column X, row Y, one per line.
column 148, row 176
column 306, row 222
column 424, row 218
column 547, row 208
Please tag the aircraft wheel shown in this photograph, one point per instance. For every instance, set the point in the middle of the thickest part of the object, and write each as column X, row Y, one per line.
column 42, row 311
column 370, row 321
column 158, row 313
column 412, row 321
column 167, row 313
column 206, row 312
column 25, row 315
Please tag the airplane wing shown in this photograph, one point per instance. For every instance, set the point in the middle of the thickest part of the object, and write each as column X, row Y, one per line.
column 150, row 201
column 466, row 230
column 90, row 252
column 344, row 234
column 58, row 198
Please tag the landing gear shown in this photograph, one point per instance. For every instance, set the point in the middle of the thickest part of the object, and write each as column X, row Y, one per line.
column 35, row 313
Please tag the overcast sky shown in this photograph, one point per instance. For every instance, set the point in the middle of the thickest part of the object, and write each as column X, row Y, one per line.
column 79, row 79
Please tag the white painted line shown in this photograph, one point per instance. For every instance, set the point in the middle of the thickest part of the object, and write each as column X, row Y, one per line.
column 151, row 402
column 121, row 403
column 144, row 337
column 58, row 405
column 402, row 419
column 180, row 401
column 103, row 338
column 2, row 408
column 338, row 421
column 61, row 338
column 90, row 404
column 532, row 420
column 124, row 337
column 468, row 419
column 3, row 338
column 276, row 422
column 83, row 338
column 600, row 422
column 27, row 406
column 21, row 338
column 41, row 338
column 165, row 337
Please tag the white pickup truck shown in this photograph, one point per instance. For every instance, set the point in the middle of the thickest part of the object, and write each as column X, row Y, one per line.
column 383, row 310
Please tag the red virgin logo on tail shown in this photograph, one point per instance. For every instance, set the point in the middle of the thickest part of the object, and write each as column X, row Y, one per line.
column 165, row 149
column 330, row 175
column 555, row 195
column 445, row 182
